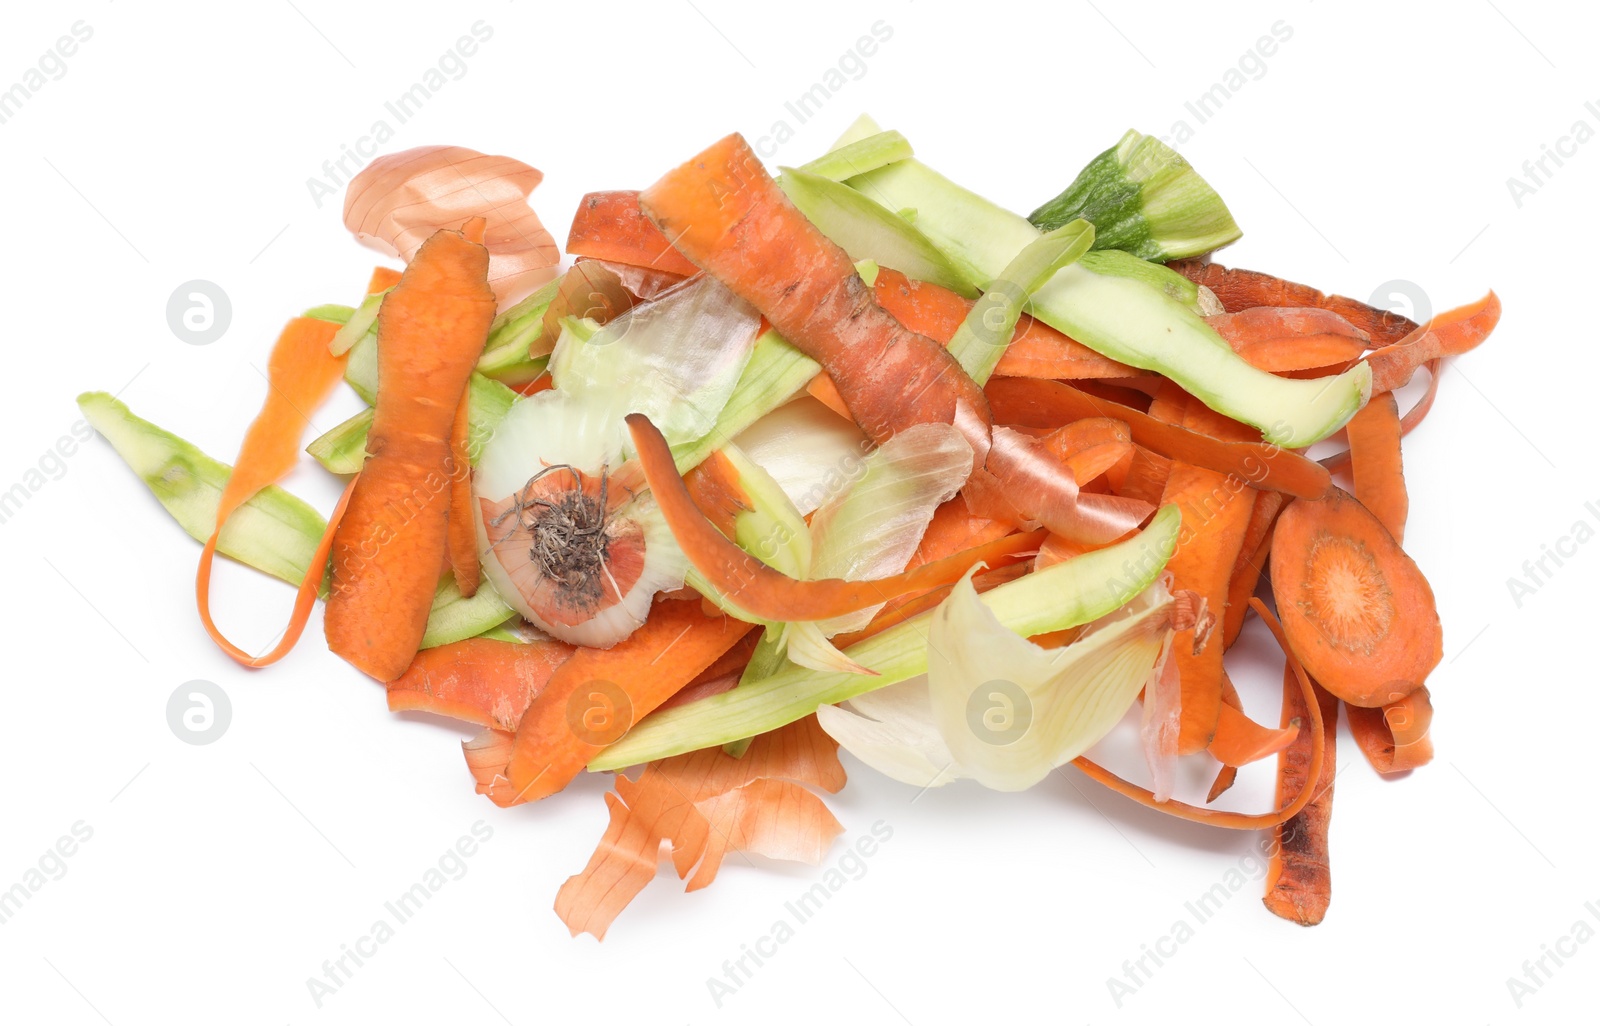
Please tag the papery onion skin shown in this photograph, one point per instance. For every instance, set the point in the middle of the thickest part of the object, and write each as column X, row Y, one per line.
column 400, row 199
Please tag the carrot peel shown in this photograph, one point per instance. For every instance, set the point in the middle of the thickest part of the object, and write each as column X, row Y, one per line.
column 300, row 375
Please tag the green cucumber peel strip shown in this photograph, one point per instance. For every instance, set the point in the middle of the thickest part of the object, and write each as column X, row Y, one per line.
column 1065, row 595
column 506, row 353
column 861, row 156
column 1111, row 305
column 1144, row 198
column 360, row 324
column 982, row 338
column 866, row 231
column 274, row 532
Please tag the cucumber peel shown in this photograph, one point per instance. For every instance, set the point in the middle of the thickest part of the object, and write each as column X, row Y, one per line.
column 1065, row 595
column 983, row 336
column 866, row 231
column 1144, row 198
column 274, row 532
column 1114, row 306
column 861, row 156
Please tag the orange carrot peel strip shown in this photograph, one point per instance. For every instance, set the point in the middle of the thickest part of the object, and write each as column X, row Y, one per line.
column 596, row 696
column 1449, row 334
column 301, row 373
column 1299, row 882
column 486, row 682
column 1238, row 289
column 395, row 538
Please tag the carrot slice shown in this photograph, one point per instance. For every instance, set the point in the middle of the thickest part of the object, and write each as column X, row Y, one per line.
column 1358, row 612
column 1299, row 882
column 1238, row 289
column 594, row 697
column 1049, row 404
column 610, row 226
column 768, row 593
column 301, row 373
column 388, row 551
column 1449, row 334
column 1218, row 817
column 463, row 535
column 489, row 683
column 707, row 804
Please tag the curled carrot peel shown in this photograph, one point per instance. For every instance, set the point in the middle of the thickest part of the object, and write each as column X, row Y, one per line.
column 1394, row 738
column 1414, row 416
column 1217, row 817
column 1239, row 740
column 770, row 594
column 1048, row 404
column 300, row 375
column 1238, row 289
column 305, row 596
column 1449, row 334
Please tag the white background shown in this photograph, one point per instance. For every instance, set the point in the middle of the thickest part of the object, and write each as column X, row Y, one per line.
column 1375, row 146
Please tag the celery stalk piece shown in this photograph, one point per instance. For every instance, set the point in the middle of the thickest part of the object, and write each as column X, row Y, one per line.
column 1111, row 306
column 275, row 532
column 1144, row 198
column 866, row 231
column 861, row 156
column 1065, row 595
column 343, row 448
column 983, row 336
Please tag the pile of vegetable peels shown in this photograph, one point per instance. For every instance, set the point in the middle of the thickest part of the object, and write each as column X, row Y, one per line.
column 846, row 457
